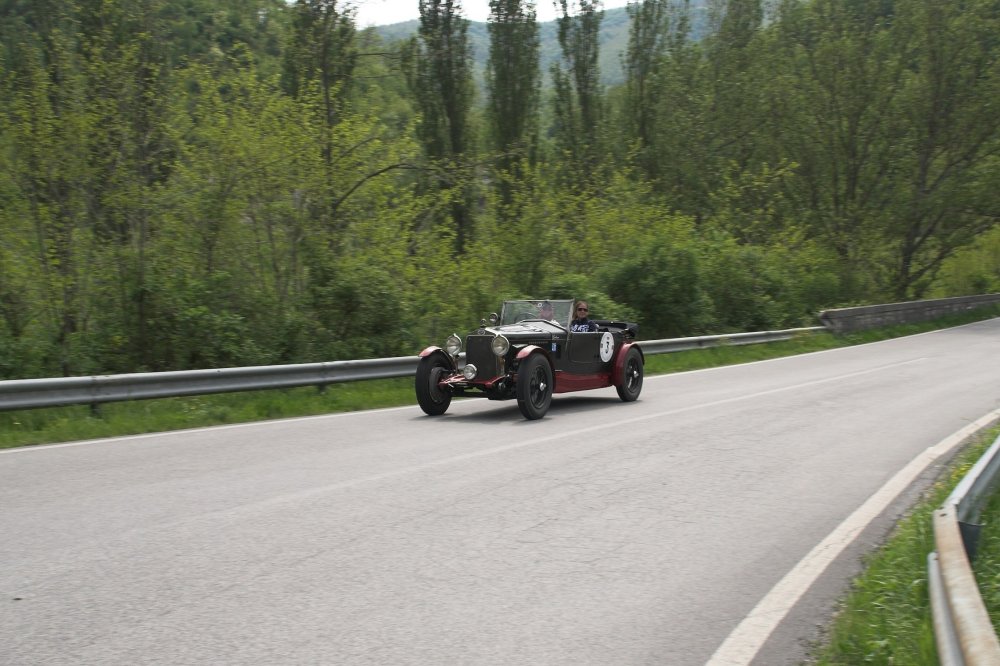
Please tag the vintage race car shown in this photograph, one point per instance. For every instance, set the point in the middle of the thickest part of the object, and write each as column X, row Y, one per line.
column 520, row 355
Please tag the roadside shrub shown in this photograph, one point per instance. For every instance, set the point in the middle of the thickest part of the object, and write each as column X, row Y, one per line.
column 973, row 270
column 662, row 284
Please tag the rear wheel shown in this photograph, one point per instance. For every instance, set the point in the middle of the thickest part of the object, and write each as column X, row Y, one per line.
column 534, row 387
column 431, row 369
column 631, row 384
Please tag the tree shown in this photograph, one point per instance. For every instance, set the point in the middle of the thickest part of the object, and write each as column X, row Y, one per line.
column 579, row 101
column 644, row 64
column 47, row 128
column 833, row 117
column 667, row 110
column 512, row 84
column 127, row 68
column 947, row 105
column 322, row 53
column 732, row 56
column 440, row 78
column 887, row 112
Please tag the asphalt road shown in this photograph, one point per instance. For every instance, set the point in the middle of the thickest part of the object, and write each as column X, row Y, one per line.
column 605, row 533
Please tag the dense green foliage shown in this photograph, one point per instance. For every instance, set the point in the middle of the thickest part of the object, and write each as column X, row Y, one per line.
column 186, row 183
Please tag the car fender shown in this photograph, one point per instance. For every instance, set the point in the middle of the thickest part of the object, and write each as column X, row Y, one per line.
column 432, row 350
column 618, row 372
column 528, row 350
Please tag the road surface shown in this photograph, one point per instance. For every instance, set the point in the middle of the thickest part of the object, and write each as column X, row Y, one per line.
column 605, row 533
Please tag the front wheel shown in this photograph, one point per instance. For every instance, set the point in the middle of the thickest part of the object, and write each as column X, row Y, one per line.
column 433, row 400
column 534, row 387
column 631, row 384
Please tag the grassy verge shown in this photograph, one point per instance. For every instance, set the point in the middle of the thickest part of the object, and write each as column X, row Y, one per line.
column 61, row 424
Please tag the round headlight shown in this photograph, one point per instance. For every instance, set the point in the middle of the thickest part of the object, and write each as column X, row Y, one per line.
column 453, row 344
column 469, row 372
column 500, row 345
column 494, row 318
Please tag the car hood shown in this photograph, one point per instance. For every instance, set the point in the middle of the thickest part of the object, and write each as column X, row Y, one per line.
column 527, row 329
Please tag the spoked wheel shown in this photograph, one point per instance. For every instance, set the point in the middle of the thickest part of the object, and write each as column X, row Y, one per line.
column 534, row 387
column 631, row 384
column 433, row 400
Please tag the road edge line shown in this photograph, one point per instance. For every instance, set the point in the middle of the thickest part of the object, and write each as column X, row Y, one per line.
column 746, row 640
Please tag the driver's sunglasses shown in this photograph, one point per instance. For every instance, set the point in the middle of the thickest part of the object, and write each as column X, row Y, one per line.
column 582, row 310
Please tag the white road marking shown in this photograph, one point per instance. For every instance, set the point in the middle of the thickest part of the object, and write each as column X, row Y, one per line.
column 742, row 645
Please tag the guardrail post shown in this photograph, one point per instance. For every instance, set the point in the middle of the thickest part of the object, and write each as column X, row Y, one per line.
column 970, row 537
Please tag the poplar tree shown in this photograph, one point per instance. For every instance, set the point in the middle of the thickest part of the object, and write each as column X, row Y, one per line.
column 644, row 65
column 322, row 53
column 578, row 98
column 439, row 73
column 736, row 103
column 512, row 80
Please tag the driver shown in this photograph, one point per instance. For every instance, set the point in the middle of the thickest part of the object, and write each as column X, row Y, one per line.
column 545, row 311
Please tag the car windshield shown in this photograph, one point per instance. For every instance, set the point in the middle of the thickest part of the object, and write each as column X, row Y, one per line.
column 517, row 311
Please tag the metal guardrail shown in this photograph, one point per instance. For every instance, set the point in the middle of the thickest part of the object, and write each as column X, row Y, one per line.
column 962, row 627
column 702, row 342
column 97, row 389
column 29, row 393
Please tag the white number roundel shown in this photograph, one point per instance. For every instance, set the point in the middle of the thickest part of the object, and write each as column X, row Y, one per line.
column 607, row 346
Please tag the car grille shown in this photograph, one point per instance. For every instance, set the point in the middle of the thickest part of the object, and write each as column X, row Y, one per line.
column 479, row 353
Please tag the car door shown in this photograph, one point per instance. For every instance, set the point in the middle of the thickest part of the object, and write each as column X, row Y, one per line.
column 589, row 353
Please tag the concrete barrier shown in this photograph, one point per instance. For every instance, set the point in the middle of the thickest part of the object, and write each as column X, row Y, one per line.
column 847, row 320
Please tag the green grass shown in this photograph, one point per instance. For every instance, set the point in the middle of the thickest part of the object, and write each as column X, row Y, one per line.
column 886, row 617
column 61, row 424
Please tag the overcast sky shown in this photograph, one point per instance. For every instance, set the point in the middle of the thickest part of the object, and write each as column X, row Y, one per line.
column 382, row 12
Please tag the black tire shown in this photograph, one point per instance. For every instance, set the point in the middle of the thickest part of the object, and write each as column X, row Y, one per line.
column 631, row 384
column 534, row 387
column 430, row 370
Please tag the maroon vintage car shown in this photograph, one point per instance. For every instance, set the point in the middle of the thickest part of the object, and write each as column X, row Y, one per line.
column 520, row 355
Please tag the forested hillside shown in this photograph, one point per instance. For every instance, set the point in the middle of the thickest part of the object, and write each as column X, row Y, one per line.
column 612, row 41
column 207, row 183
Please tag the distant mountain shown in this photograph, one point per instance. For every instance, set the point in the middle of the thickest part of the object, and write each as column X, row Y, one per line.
column 613, row 41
